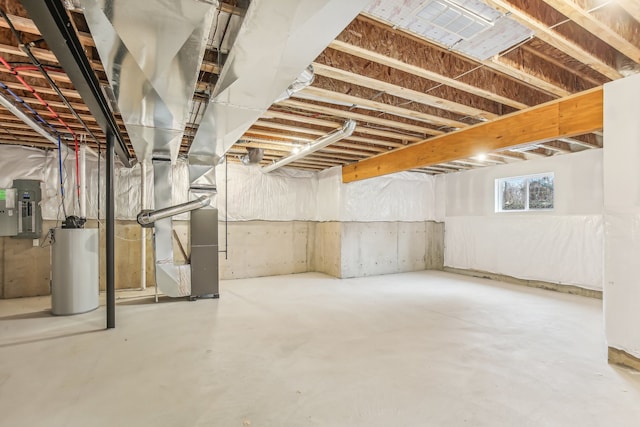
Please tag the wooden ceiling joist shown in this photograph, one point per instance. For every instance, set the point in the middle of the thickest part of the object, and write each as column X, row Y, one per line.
column 359, row 117
column 550, row 36
column 327, row 95
column 421, row 72
column 317, row 133
column 558, row 63
column 596, row 27
column 566, row 117
column 399, row 91
column 334, row 124
column 632, row 7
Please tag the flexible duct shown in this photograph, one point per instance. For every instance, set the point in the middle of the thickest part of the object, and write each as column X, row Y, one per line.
column 345, row 131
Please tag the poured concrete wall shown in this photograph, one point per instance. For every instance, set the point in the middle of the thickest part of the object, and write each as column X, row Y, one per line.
column 255, row 248
column 326, row 248
column 265, row 248
column 371, row 248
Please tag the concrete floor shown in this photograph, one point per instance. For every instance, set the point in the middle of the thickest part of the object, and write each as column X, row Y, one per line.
column 412, row 349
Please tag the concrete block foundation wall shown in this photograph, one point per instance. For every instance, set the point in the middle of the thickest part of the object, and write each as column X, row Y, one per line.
column 255, row 248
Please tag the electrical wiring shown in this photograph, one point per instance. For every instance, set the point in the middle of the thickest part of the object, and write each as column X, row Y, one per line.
column 37, row 65
column 43, row 70
column 38, row 117
column 30, row 89
column 22, row 102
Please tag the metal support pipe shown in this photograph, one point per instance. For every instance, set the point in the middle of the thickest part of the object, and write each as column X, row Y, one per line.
column 110, row 234
column 143, row 232
column 147, row 218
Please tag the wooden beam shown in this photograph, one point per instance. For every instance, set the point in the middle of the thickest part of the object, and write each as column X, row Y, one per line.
column 596, row 27
column 566, row 117
column 421, row 72
column 546, row 34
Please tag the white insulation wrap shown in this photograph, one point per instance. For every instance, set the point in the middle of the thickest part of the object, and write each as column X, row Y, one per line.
column 283, row 195
column 404, row 196
column 32, row 163
column 559, row 249
column 561, row 246
column 289, row 194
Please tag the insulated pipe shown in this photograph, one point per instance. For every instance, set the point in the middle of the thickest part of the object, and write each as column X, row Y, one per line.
column 347, row 129
column 147, row 218
column 143, row 237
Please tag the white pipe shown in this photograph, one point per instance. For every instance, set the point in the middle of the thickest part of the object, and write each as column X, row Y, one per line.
column 143, row 233
column 83, row 181
column 345, row 131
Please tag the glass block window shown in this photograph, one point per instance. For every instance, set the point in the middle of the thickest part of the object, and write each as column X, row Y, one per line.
column 524, row 193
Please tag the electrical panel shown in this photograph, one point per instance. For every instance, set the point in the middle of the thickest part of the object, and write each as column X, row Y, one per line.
column 8, row 212
column 28, row 197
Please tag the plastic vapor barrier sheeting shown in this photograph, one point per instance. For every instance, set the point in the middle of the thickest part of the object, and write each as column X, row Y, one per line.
column 559, row 249
column 283, row 195
column 404, row 196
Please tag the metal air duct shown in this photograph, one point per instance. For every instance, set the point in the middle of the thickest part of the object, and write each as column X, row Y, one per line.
column 305, row 79
column 152, row 52
column 277, row 41
column 345, row 131
column 253, row 157
column 148, row 218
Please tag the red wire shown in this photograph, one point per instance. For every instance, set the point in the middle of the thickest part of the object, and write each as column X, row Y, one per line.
column 55, row 115
column 34, row 68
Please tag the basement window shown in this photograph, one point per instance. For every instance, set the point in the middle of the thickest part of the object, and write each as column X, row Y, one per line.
column 525, row 193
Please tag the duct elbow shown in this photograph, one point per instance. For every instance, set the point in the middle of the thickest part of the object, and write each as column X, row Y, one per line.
column 144, row 219
column 347, row 128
